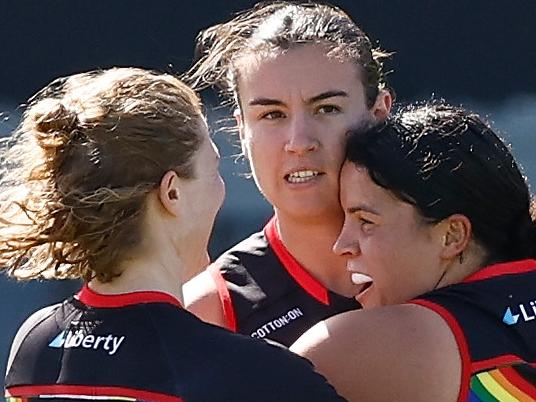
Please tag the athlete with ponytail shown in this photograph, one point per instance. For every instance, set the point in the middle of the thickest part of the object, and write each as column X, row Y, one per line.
column 112, row 178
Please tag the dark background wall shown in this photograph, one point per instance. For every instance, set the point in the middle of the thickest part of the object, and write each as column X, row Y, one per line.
column 481, row 49
column 480, row 53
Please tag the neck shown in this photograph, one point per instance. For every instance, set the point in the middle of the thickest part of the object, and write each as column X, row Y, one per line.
column 157, row 272
column 456, row 270
column 310, row 242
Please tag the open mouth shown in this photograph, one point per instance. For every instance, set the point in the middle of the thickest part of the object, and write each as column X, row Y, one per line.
column 302, row 176
column 362, row 280
column 365, row 287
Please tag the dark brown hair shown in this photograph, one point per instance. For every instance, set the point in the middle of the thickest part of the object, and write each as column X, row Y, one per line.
column 445, row 160
column 282, row 25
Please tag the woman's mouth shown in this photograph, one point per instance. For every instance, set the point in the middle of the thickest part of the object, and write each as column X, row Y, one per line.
column 363, row 281
column 302, row 176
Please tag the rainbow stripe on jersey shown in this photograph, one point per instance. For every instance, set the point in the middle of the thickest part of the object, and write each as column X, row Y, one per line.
column 505, row 384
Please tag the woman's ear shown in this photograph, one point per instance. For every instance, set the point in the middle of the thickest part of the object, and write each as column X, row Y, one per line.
column 168, row 192
column 457, row 234
column 240, row 125
column 382, row 105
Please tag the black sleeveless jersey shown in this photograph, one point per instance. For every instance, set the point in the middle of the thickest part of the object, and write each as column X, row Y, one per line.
column 266, row 293
column 143, row 347
column 492, row 314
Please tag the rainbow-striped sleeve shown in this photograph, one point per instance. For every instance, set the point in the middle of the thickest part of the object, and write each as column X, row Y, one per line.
column 505, row 384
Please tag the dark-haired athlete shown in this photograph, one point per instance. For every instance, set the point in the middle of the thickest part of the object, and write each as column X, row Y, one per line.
column 300, row 75
column 440, row 230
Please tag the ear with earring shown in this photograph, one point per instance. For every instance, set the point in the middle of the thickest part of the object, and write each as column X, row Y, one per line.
column 456, row 237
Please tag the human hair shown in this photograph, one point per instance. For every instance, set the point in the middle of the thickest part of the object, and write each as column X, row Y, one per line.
column 445, row 160
column 77, row 171
column 269, row 27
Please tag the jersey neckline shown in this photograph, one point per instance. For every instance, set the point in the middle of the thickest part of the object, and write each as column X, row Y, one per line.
column 306, row 281
column 94, row 299
column 503, row 268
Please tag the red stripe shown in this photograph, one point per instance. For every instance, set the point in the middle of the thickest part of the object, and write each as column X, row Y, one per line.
column 460, row 340
column 35, row 390
column 225, row 297
column 518, row 381
column 497, row 361
column 310, row 284
column 507, row 268
column 94, row 299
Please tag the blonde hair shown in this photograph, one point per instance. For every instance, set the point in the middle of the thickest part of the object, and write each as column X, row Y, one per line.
column 77, row 171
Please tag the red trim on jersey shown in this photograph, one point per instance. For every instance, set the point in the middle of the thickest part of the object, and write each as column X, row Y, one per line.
column 94, row 299
column 518, row 381
column 59, row 389
column 460, row 340
column 506, row 268
column 310, row 284
column 504, row 360
column 225, row 298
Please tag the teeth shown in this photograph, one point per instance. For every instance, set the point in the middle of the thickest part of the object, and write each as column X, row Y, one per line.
column 302, row 176
column 360, row 279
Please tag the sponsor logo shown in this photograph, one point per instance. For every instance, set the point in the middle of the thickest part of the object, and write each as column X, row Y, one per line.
column 526, row 313
column 277, row 323
column 77, row 339
column 509, row 318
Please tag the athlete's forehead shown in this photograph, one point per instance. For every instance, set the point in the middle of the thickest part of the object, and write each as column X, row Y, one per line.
column 306, row 72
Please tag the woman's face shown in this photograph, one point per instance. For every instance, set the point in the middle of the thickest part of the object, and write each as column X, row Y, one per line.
column 295, row 109
column 207, row 186
column 390, row 249
column 202, row 197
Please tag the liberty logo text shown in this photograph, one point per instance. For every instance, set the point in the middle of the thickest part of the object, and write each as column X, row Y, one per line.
column 77, row 339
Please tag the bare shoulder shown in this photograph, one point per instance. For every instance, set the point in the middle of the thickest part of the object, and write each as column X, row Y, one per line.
column 402, row 353
column 201, row 298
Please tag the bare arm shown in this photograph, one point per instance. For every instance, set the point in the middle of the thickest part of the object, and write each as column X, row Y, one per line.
column 201, row 298
column 398, row 353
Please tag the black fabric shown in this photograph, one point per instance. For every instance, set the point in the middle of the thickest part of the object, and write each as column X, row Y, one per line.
column 480, row 307
column 266, row 298
column 527, row 372
column 164, row 349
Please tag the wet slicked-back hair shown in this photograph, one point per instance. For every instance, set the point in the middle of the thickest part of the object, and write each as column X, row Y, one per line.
column 277, row 26
column 445, row 160
column 89, row 149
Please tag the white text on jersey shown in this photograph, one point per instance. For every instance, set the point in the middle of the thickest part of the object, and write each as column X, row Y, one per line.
column 76, row 339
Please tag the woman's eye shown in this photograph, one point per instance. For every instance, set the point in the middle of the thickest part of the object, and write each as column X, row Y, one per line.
column 366, row 224
column 274, row 114
column 328, row 109
column 365, row 221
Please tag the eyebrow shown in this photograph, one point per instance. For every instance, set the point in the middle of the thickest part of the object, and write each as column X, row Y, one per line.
column 327, row 95
column 364, row 208
column 314, row 99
